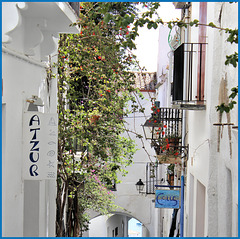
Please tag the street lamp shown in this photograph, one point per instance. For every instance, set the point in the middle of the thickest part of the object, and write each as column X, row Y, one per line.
column 151, row 129
column 140, row 185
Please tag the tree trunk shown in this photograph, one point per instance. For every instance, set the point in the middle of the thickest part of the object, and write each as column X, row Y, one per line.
column 61, row 203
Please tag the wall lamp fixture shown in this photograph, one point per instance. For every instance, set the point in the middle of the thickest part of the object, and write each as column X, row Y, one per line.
column 35, row 101
column 140, row 185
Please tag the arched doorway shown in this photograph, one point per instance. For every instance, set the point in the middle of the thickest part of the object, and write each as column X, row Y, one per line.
column 116, row 225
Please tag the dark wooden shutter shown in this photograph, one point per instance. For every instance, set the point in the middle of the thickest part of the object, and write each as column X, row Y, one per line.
column 178, row 72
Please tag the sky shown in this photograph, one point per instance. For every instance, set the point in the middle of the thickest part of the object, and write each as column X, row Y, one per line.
column 147, row 42
column 134, row 228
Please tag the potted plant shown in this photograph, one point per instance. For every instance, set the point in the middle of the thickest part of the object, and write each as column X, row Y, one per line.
column 165, row 133
column 169, row 150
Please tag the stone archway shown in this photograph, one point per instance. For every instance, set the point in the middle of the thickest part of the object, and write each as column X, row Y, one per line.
column 114, row 225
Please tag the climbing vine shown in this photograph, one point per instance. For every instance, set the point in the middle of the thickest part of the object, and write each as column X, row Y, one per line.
column 227, row 107
column 95, row 88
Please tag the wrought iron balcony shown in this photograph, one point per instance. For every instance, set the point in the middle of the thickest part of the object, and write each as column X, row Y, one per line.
column 164, row 123
column 164, row 129
column 192, row 54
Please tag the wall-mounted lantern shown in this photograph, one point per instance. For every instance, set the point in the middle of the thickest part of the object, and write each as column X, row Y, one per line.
column 140, row 185
column 35, row 101
column 150, row 129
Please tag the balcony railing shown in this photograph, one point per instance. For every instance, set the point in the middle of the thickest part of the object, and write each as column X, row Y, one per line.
column 172, row 121
column 164, row 129
column 168, row 120
column 192, row 54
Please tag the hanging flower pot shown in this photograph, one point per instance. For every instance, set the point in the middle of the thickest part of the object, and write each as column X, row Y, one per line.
column 169, row 158
column 173, row 142
column 169, row 151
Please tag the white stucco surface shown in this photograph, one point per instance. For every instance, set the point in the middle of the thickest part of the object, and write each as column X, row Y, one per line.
column 29, row 207
column 215, row 170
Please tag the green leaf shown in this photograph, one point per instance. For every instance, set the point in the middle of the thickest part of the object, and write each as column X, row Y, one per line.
column 232, row 59
column 170, row 25
column 211, row 24
column 155, row 26
column 149, row 25
column 107, row 18
column 196, row 21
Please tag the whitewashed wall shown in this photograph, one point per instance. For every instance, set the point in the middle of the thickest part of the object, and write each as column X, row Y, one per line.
column 139, row 206
column 211, row 177
column 16, row 88
column 164, row 67
column 29, row 207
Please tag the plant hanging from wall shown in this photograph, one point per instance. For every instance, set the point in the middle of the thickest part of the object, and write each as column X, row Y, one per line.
column 94, row 89
column 223, row 107
column 166, row 136
column 168, row 149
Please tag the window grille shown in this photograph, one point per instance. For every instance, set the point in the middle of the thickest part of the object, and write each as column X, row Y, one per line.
column 152, row 177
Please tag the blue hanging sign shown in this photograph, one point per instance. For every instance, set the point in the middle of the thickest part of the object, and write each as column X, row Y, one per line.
column 167, row 198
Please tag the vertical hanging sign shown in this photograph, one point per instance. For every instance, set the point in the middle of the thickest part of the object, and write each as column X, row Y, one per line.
column 39, row 145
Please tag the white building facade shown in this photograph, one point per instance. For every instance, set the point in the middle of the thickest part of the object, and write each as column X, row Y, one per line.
column 197, row 81
column 29, row 47
column 212, row 177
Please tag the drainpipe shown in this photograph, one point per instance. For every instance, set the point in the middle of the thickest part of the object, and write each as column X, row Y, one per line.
column 186, row 39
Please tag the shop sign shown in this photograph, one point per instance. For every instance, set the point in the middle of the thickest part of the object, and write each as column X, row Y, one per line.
column 39, row 145
column 167, row 199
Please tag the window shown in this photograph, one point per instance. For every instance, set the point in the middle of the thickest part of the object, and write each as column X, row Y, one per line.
column 192, row 78
column 192, row 54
